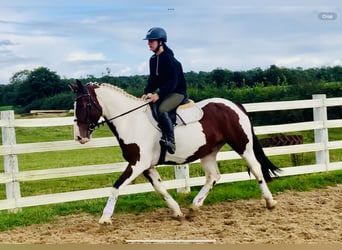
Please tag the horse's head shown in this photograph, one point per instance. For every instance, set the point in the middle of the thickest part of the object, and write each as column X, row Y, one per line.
column 87, row 111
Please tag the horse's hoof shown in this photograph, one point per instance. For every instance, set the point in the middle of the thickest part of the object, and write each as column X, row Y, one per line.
column 178, row 217
column 191, row 214
column 105, row 220
column 271, row 204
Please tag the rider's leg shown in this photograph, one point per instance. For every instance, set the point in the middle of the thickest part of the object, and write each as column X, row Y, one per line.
column 168, row 134
column 167, row 105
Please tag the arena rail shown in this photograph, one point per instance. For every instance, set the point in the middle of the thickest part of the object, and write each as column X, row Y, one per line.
column 11, row 176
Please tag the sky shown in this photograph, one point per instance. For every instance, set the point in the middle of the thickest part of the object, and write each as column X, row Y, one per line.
column 77, row 38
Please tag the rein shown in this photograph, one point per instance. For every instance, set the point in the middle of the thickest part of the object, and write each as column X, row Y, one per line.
column 125, row 113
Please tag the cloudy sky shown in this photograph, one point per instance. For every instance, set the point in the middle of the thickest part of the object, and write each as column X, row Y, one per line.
column 76, row 38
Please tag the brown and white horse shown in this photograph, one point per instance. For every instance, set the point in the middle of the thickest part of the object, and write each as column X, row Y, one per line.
column 222, row 122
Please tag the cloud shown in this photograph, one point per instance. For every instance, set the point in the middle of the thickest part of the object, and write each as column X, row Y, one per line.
column 297, row 60
column 77, row 39
column 6, row 42
column 85, row 56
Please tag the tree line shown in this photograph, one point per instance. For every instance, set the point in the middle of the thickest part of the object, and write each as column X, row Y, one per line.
column 42, row 88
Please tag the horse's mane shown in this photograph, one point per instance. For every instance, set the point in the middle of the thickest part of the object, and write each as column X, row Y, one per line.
column 116, row 88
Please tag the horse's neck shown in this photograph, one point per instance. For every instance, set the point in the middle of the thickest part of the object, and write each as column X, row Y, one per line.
column 115, row 104
column 115, row 101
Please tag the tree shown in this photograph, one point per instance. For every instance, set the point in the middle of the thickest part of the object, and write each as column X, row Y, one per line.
column 220, row 77
column 19, row 77
column 8, row 93
column 239, row 78
column 40, row 83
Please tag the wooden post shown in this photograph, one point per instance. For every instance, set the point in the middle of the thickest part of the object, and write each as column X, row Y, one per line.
column 10, row 160
column 182, row 172
column 321, row 135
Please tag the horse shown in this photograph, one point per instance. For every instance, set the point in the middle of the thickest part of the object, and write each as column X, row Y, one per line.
column 129, row 118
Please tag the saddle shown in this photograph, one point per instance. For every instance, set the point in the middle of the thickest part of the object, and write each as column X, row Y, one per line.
column 187, row 112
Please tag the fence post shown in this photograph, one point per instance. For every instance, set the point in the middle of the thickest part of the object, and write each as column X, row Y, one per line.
column 182, row 172
column 321, row 135
column 10, row 160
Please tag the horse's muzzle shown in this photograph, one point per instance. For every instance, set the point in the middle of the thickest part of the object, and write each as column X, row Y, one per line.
column 82, row 140
column 81, row 134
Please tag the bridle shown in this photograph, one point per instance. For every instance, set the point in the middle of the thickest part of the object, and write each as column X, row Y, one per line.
column 91, row 125
column 91, row 103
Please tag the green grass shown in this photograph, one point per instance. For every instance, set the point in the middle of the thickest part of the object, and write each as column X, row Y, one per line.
column 3, row 108
column 141, row 202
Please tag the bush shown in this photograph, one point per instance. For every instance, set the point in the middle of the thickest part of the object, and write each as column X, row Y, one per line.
column 59, row 101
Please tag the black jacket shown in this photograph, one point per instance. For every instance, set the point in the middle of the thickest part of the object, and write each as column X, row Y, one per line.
column 166, row 75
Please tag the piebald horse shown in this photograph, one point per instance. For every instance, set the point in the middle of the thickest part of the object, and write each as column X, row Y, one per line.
column 128, row 118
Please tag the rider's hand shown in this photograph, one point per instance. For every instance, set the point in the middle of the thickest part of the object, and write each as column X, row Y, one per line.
column 150, row 97
column 146, row 97
column 154, row 97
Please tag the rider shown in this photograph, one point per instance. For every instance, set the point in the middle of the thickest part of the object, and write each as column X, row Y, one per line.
column 166, row 84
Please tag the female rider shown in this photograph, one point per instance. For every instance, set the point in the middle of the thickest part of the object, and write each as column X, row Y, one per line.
column 166, row 84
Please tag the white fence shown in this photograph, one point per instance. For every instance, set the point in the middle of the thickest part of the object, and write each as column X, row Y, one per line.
column 12, row 177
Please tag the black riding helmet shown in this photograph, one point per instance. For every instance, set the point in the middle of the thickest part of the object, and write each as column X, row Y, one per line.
column 156, row 33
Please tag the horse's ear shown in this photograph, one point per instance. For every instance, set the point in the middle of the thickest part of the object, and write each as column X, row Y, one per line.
column 79, row 84
column 73, row 87
column 80, row 87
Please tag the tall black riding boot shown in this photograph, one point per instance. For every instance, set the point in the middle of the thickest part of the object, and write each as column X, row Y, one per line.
column 168, row 135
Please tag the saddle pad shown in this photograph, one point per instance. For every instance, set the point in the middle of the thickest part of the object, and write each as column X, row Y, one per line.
column 188, row 113
column 189, row 104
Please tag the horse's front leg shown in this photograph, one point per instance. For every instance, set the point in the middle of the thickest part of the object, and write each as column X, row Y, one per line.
column 109, row 208
column 125, row 178
column 154, row 178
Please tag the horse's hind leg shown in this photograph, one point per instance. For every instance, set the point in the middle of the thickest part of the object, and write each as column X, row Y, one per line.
column 255, row 168
column 212, row 175
column 153, row 176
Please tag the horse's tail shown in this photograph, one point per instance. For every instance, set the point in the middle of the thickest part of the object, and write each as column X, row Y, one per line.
column 267, row 167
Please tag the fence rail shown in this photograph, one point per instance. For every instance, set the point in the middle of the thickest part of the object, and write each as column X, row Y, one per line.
column 12, row 176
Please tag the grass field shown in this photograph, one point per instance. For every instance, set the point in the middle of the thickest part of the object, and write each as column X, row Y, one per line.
column 140, row 202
